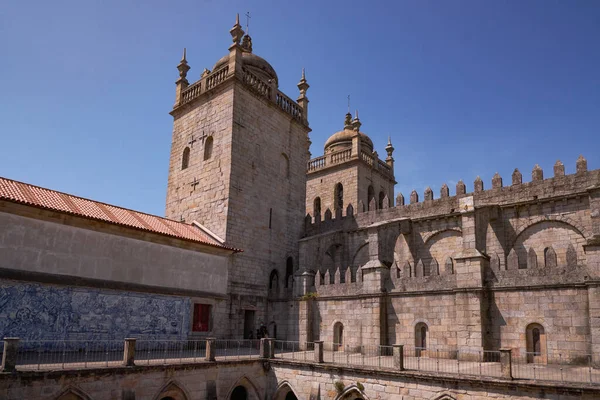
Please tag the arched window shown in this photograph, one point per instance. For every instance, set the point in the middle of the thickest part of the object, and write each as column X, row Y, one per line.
column 289, row 271
column 273, row 280
column 338, row 336
column 285, row 166
column 185, row 159
column 535, row 337
column 381, row 199
column 208, row 148
column 317, row 206
column 239, row 393
column 338, row 197
column 370, row 195
column 421, row 333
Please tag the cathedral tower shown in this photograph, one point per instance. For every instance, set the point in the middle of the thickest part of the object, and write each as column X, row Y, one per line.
column 349, row 173
column 238, row 168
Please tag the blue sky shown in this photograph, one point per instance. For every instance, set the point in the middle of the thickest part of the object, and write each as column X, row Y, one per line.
column 464, row 88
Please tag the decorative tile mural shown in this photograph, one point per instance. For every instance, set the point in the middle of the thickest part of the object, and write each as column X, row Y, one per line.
column 33, row 311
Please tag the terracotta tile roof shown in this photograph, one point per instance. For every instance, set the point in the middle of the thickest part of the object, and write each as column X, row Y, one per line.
column 36, row 196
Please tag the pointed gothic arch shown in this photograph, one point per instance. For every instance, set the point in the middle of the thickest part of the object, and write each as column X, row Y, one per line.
column 73, row 393
column 352, row 392
column 251, row 391
column 285, row 391
column 172, row 390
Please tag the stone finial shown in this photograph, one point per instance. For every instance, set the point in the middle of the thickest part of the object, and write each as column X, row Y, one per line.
column 559, row 169
column 444, row 191
column 349, row 210
column 361, row 207
column 303, row 85
column 183, row 68
column 328, row 215
column 348, row 275
column 204, row 73
column 327, row 279
column 461, row 188
column 496, row 181
column 428, row 194
column 389, row 160
column 372, row 204
column 537, row 174
column 356, row 122
column 386, row 202
column 247, row 43
column 531, row 259
column 399, row 200
column 581, row 165
column 337, row 276
column 414, row 197
column 348, row 121
column 478, row 184
column 338, row 213
column 237, row 32
column 434, row 267
column 517, row 177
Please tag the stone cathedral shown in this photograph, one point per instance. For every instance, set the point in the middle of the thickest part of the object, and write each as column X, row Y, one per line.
column 258, row 237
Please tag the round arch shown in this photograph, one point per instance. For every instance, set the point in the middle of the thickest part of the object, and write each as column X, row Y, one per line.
column 571, row 223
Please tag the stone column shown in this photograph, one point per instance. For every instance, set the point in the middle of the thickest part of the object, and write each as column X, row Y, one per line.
column 469, row 298
column 305, row 317
column 506, row 363
column 9, row 356
column 399, row 356
column 265, row 348
column 319, row 351
column 211, row 349
column 129, row 352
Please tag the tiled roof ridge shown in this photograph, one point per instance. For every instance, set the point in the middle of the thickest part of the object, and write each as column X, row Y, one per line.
column 30, row 198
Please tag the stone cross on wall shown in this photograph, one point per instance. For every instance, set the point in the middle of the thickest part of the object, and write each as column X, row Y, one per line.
column 195, row 183
column 192, row 141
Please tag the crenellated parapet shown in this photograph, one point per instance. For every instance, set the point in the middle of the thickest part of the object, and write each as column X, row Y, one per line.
column 339, row 283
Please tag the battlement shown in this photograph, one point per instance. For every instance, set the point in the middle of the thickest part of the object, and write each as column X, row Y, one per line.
column 519, row 193
column 342, row 284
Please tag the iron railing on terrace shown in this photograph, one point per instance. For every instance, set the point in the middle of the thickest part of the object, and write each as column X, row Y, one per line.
column 566, row 367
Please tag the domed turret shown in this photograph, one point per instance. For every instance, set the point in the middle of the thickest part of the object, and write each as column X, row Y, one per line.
column 342, row 140
column 253, row 63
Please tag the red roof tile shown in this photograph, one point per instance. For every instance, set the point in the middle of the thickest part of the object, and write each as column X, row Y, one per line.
column 25, row 193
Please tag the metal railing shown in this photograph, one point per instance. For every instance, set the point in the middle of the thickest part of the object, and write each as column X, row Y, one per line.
column 300, row 351
column 568, row 367
column 61, row 354
column 153, row 352
column 237, row 349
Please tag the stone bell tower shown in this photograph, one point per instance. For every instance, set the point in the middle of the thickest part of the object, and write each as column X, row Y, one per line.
column 238, row 167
